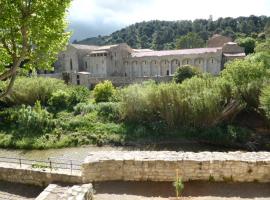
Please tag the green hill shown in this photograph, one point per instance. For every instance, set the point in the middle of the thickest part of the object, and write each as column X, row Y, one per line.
column 163, row 34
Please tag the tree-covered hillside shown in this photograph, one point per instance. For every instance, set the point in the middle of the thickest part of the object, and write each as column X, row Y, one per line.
column 163, row 34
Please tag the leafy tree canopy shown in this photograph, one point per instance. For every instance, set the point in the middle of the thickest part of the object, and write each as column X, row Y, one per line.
column 32, row 32
column 185, row 72
column 191, row 40
column 248, row 43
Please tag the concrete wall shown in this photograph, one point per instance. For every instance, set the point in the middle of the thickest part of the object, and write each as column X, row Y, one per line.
column 162, row 166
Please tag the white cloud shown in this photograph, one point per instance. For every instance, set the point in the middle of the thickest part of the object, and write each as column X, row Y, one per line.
column 101, row 13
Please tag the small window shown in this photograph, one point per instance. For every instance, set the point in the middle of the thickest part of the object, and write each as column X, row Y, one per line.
column 86, row 65
column 78, row 76
column 115, row 54
column 78, row 82
column 199, row 61
column 187, row 61
column 212, row 60
column 105, row 54
column 168, row 72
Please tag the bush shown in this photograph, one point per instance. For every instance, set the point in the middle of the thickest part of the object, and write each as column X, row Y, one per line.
column 109, row 110
column 197, row 102
column 84, row 108
column 59, row 100
column 29, row 90
column 185, row 72
column 246, row 78
column 103, row 92
column 34, row 118
column 78, row 94
column 265, row 101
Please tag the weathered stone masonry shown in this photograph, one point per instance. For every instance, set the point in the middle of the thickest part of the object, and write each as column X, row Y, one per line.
column 162, row 166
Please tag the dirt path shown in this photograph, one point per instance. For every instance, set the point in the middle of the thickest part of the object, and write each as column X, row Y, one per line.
column 193, row 191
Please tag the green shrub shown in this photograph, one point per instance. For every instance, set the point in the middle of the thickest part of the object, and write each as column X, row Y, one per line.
column 59, row 100
column 109, row 110
column 197, row 102
column 78, row 94
column 246, row 78
column 185, row 72
column 84, row 108
column 34, row 118
column 103, row 92
column 226, row 134
column 29, row 90
column 265, row 101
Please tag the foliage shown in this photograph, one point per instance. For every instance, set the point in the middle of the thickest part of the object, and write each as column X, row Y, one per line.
column 248, row 43
column 109, row 110
column 246, row 78
column 32, row 33
column 29, row 90
column 189, row 41
column 103, row 92
column 84, row 108
column 197, row 102
column 162, row 34
column 34, row 118
column 178, row 185
column 185, row 72
column 59, row 100
column 265, row 101
column 78, row 94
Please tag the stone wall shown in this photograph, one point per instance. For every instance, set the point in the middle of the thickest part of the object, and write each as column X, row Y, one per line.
column 162, row 166
column 75, row 192
column 40, row 177
column 90, row 82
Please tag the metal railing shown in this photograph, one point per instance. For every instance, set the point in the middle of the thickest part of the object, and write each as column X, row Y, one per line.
column 53, row 163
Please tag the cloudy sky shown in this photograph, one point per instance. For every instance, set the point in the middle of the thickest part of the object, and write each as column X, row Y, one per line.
column 88, row 18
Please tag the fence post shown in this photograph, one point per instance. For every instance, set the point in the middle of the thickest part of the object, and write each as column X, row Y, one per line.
column 71, row 167
column 50, row 165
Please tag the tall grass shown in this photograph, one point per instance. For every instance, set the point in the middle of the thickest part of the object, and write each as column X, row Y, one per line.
column 196, row 102
column 29, row 90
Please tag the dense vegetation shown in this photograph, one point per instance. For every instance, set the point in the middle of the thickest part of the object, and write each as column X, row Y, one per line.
column 232, row 109
column 46, row 113
column 165, row 34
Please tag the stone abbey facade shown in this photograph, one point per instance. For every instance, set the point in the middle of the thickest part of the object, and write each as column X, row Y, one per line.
column 86, row 65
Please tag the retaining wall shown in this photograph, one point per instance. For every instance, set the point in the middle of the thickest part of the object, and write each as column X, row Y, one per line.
column 40, row 177
column 162, row 166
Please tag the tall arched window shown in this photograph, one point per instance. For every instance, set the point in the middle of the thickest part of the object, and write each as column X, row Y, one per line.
column 71, row 64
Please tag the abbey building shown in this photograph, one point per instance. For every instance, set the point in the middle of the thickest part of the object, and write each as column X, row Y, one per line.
column 86, row 65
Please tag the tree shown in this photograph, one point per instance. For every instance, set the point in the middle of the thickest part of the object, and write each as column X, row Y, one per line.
column 103, row 92
column 248, row 43
column 32, row 32
column 185, row 72
column 191, row 40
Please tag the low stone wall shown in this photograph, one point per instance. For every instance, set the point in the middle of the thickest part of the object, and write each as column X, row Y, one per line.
column 162, row 166
column 41, row 177
column 78, row 192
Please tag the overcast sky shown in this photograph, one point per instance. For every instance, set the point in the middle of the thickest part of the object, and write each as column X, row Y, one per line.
column 90, row 18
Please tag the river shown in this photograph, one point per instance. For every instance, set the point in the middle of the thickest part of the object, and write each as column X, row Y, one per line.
column 79, row 153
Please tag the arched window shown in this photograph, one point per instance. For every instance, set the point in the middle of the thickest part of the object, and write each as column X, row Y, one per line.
column 71, row 64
